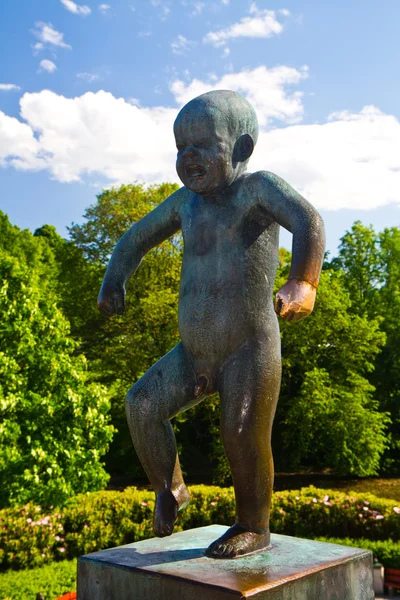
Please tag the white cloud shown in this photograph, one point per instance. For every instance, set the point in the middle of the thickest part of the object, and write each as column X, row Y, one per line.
column 164, row 9
column 18, row 145
column 76, row 8
column 46, row 34
column 265, row 89
column 95, row 134
column 47, row 65
column 8, row 87
column 197, row 7
column 89, row 77
column 104, row 8
column 262, row 24
column 181, row 45
column 351, row 160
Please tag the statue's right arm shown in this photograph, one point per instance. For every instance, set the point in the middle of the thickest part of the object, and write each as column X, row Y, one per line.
column 157, row 226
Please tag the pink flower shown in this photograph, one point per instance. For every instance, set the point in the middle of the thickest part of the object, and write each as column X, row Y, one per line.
column 379, row 517
column 62, row 549
column 326, row 498
column 396, row 510
column 314, row 500
column 29, row 520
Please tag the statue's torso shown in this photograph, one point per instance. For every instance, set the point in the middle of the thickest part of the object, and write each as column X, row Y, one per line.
column 228, row 271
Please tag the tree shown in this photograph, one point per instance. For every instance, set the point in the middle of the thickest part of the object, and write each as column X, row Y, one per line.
column 359, row 259
column 54, row 425
column 371, row 263
column 386, row 378
column 327, row 415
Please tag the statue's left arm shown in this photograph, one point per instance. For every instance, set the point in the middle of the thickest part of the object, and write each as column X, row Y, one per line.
column 277, row 199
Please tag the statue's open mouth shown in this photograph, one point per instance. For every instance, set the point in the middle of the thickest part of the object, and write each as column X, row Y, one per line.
column 195, row 171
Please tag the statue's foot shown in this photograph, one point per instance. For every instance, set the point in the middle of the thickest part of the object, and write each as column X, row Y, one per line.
column 238, row 541
column 166, row 510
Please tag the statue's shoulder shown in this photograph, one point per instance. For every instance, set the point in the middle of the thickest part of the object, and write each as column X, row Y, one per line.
column 180, row 198
column 259, row 183
column 263, row 178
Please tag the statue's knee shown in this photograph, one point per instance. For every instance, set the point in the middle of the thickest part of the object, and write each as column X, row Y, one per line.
column 230, row 435
column 140, row 406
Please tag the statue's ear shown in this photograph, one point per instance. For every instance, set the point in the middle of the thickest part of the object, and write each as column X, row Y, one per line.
column 243, row 148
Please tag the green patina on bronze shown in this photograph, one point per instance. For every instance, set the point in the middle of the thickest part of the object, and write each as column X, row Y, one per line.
column 229, row 331
column 177, row 568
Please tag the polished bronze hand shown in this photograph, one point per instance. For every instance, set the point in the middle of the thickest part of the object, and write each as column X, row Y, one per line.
column 295, row 300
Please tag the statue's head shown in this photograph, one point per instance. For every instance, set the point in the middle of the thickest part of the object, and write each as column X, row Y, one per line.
column 215, row 135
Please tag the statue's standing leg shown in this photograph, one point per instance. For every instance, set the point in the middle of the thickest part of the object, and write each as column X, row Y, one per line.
column 164, row 391
column 249, row 385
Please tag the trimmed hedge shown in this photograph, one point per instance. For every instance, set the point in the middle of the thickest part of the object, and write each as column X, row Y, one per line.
column 51, row 581
column 90, row 522
column 386, row 552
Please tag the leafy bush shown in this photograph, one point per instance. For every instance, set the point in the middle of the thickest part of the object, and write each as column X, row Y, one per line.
column 386, row 552
column 51, row 581
column 53, row 421
column 91, row 522
column 315, row 512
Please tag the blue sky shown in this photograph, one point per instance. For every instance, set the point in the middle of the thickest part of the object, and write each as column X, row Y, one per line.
column 89, row 91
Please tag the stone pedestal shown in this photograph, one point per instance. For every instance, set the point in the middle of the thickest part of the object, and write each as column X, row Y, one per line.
column 175, row 568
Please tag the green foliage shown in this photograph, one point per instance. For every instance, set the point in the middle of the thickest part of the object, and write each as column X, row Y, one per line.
column 336, row 424
column 53, row 420
column 90, row 522
column 52, row 581
column 386, row 552
column 370, row 263
column 327, row 415
column 359, row 259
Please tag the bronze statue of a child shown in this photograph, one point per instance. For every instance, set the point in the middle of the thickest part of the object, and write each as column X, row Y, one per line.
column 229, row 331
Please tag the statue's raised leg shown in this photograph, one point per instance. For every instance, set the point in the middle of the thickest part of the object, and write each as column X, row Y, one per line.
column 164, row 391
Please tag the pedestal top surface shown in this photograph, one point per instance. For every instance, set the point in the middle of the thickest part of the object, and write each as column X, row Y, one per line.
column 182, row 556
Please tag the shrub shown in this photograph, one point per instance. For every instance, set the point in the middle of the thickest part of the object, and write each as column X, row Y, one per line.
column 314, row 512
column 94, row 521
column 51, row 581
column 386, row 552
column 53, row 420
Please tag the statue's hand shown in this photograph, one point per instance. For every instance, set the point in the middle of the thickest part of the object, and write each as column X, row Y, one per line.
column 295, row 300
column 111, row 300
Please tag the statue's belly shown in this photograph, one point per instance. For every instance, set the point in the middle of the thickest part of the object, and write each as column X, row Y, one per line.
column 213, row 315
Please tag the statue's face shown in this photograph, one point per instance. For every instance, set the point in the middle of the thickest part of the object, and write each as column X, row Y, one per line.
column 204, row 161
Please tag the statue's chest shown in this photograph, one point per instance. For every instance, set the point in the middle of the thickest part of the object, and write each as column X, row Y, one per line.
column 210, row 231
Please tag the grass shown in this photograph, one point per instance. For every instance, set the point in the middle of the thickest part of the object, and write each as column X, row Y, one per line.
column 52, row 581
